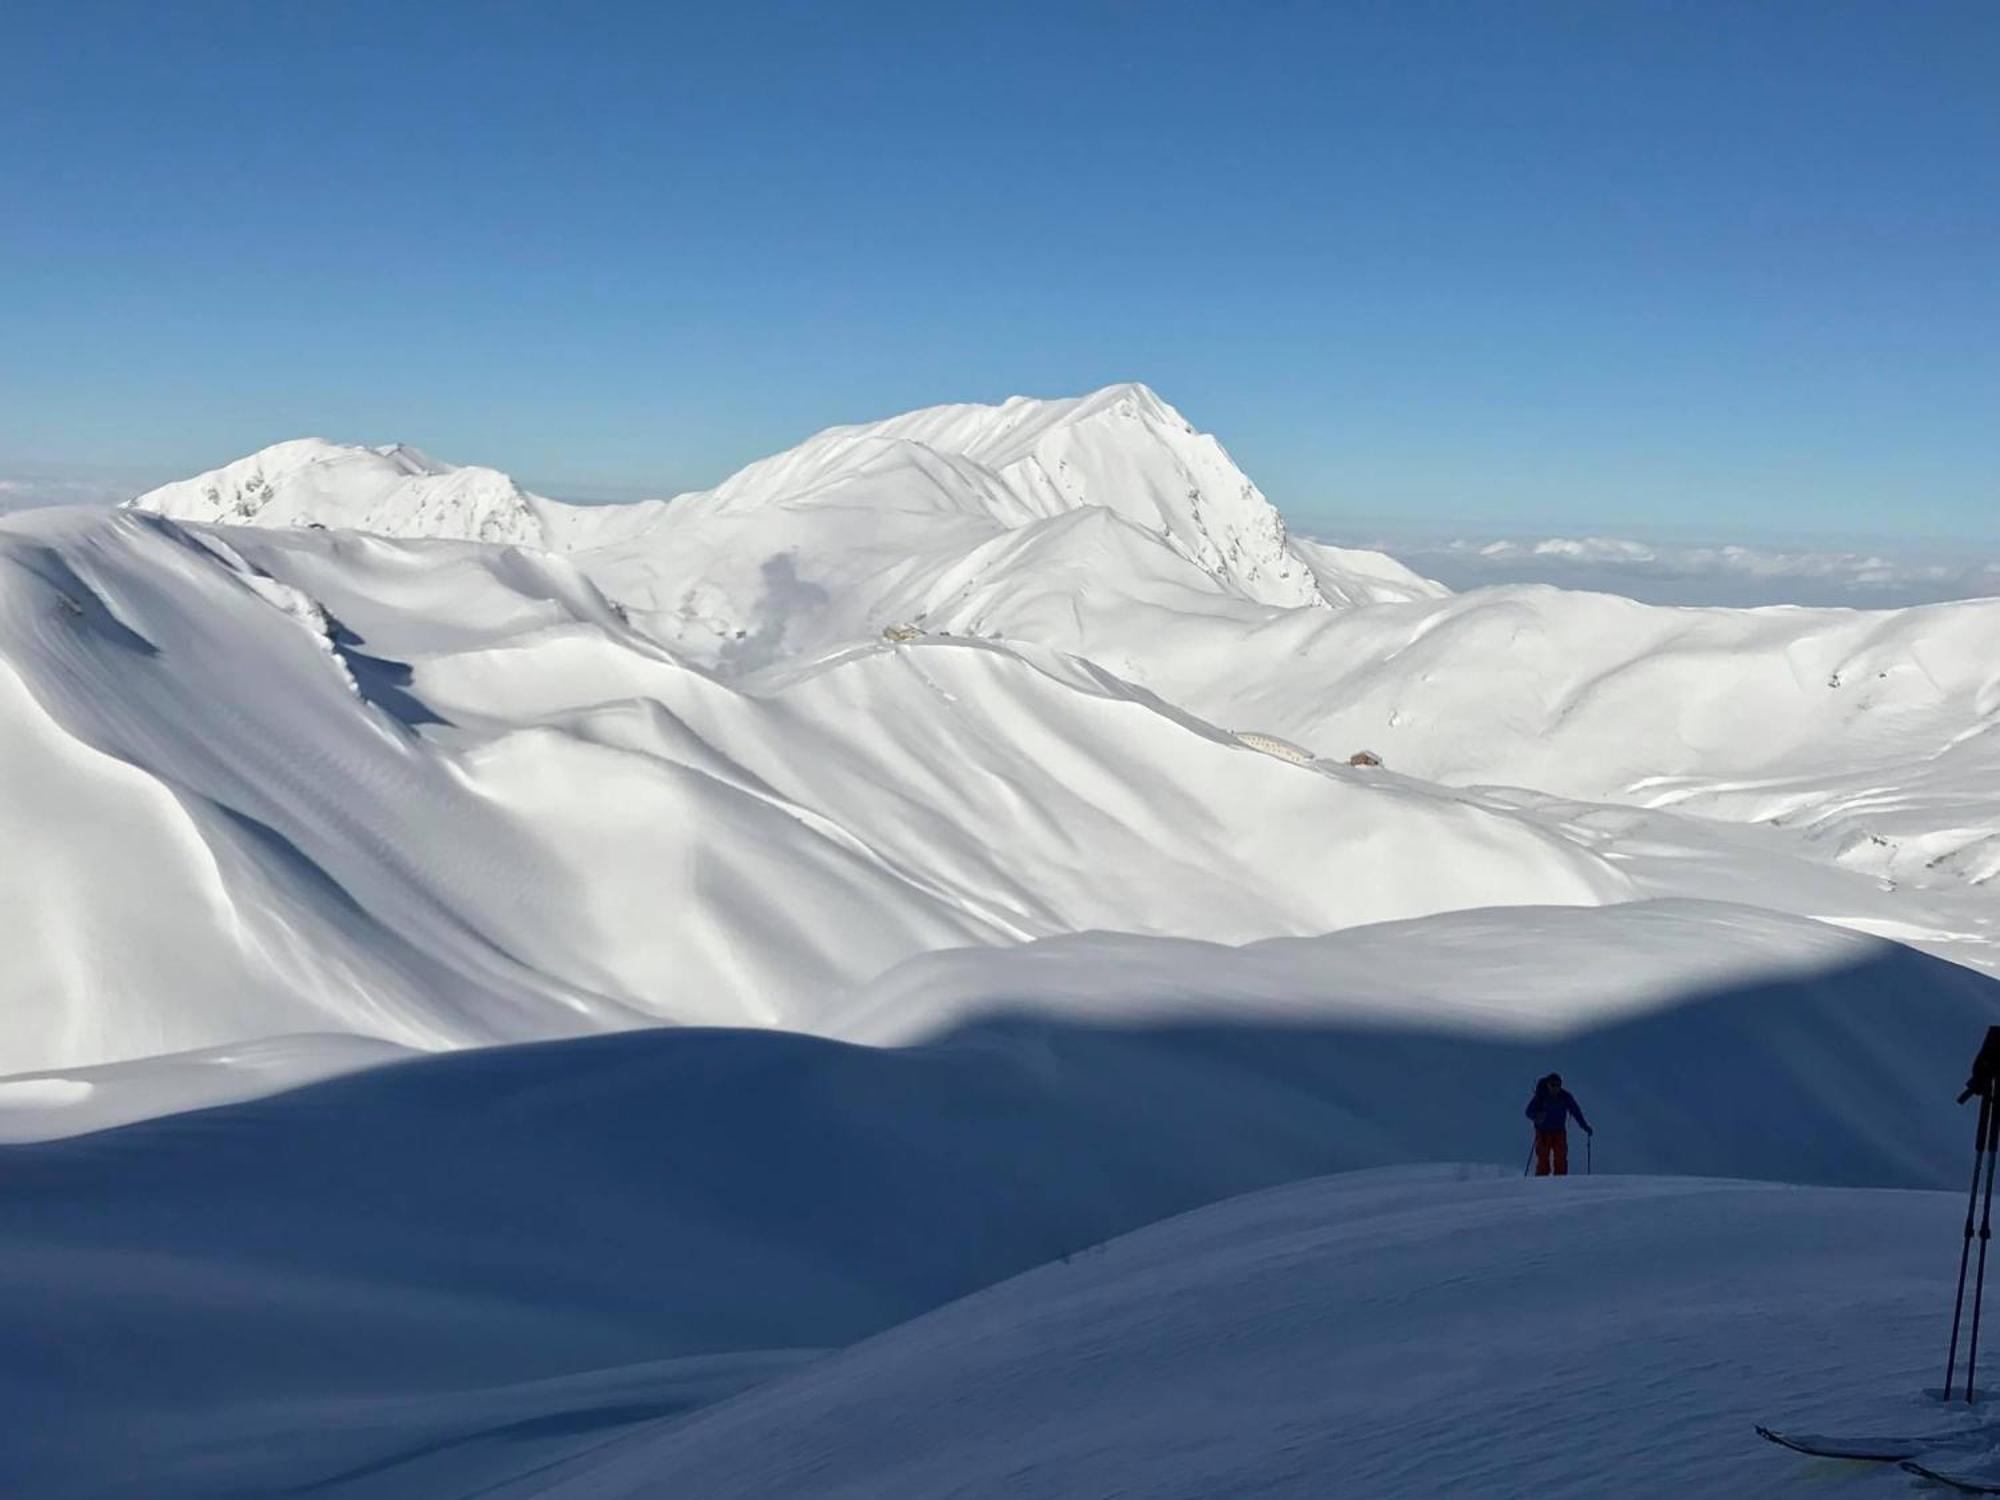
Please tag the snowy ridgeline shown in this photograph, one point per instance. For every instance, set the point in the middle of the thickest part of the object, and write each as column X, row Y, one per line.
column 391, row 1285
column 1106, row 527
column 996, row 776
column 661, row 763
column 523, row 1267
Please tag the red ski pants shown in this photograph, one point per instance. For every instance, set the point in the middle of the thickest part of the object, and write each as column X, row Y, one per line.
column 1551, row 1153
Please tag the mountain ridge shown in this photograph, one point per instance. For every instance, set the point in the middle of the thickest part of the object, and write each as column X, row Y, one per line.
column 989, row 468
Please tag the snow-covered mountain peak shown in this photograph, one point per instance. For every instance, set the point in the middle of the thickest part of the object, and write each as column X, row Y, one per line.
column 1121, row 448
column 394, row 490
column 942, row 477
column 999, row 436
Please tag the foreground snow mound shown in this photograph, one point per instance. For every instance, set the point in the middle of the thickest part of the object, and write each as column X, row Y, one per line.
column 76, row 1101
column 442, row 795
column 426, row 1277
column 1412, row 1333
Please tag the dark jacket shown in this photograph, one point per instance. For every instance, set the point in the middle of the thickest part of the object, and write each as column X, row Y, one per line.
column 1550, row 1109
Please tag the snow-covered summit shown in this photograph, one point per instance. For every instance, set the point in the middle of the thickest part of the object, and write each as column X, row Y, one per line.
column 874, row 505
column 393, row 490
column 1121, row 449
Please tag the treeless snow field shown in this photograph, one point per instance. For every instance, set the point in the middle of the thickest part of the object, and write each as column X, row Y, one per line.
column 783, row 990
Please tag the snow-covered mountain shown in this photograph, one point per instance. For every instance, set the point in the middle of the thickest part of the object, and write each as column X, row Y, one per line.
column 968, row 518
column 987, row 785
column 443, row 794
column 394, row 490
column 1108, row 529
column 347, row 741
column 1121, row 450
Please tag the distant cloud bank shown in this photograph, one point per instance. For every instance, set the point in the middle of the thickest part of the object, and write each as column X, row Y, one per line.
column 19, row 493
column 1723, row 573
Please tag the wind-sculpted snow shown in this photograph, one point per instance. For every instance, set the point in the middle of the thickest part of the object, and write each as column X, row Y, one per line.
column 1106, row 528
column 952, row 511
column 983, row 792
column 217, row 837
column 1531, row 974
column 1418, row 1333
column 443, row 794
column 1034, row 520
column 968, row 677
column 450, row 1273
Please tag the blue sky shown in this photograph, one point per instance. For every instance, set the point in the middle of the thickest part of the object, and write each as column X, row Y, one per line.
column 1730, row 269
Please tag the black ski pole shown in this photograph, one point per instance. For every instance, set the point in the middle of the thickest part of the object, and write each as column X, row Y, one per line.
column 1531, row 1161
column 1965, row 1251
column 1979, row 1281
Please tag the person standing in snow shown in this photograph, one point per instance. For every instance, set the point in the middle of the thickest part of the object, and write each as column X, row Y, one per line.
column 1550, row 1109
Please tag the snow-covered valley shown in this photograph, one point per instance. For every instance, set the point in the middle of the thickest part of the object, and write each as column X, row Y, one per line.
column 654, row 999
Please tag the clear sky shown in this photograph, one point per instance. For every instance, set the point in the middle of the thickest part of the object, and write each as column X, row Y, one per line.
column 1725, row 266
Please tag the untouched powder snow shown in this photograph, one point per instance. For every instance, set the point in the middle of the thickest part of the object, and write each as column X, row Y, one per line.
column 48, row 1106
column 977, row 796
column 269, row 780
column 1107, row 528
column 443, row 795
column 454, row 1271
column 1423, row 1332
column 1036, row 520
column 969, row 511
column 1511, row 972
column 1121, row 449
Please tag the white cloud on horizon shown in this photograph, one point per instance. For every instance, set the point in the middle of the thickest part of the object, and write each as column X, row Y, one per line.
column 1721, row 573
column 19, row 492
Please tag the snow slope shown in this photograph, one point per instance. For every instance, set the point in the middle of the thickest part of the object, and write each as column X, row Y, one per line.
column 76, row 1101
column 270, row 780
column 1105, row 527
column 975, row 783
column 246, row 803
column 1525, row 973
column 1409, row 1333
column 449, row 1272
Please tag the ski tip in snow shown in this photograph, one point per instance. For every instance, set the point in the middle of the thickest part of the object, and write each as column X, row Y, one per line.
column 1815, row 1445
column 1861, row 1449
column 1987, row 1483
